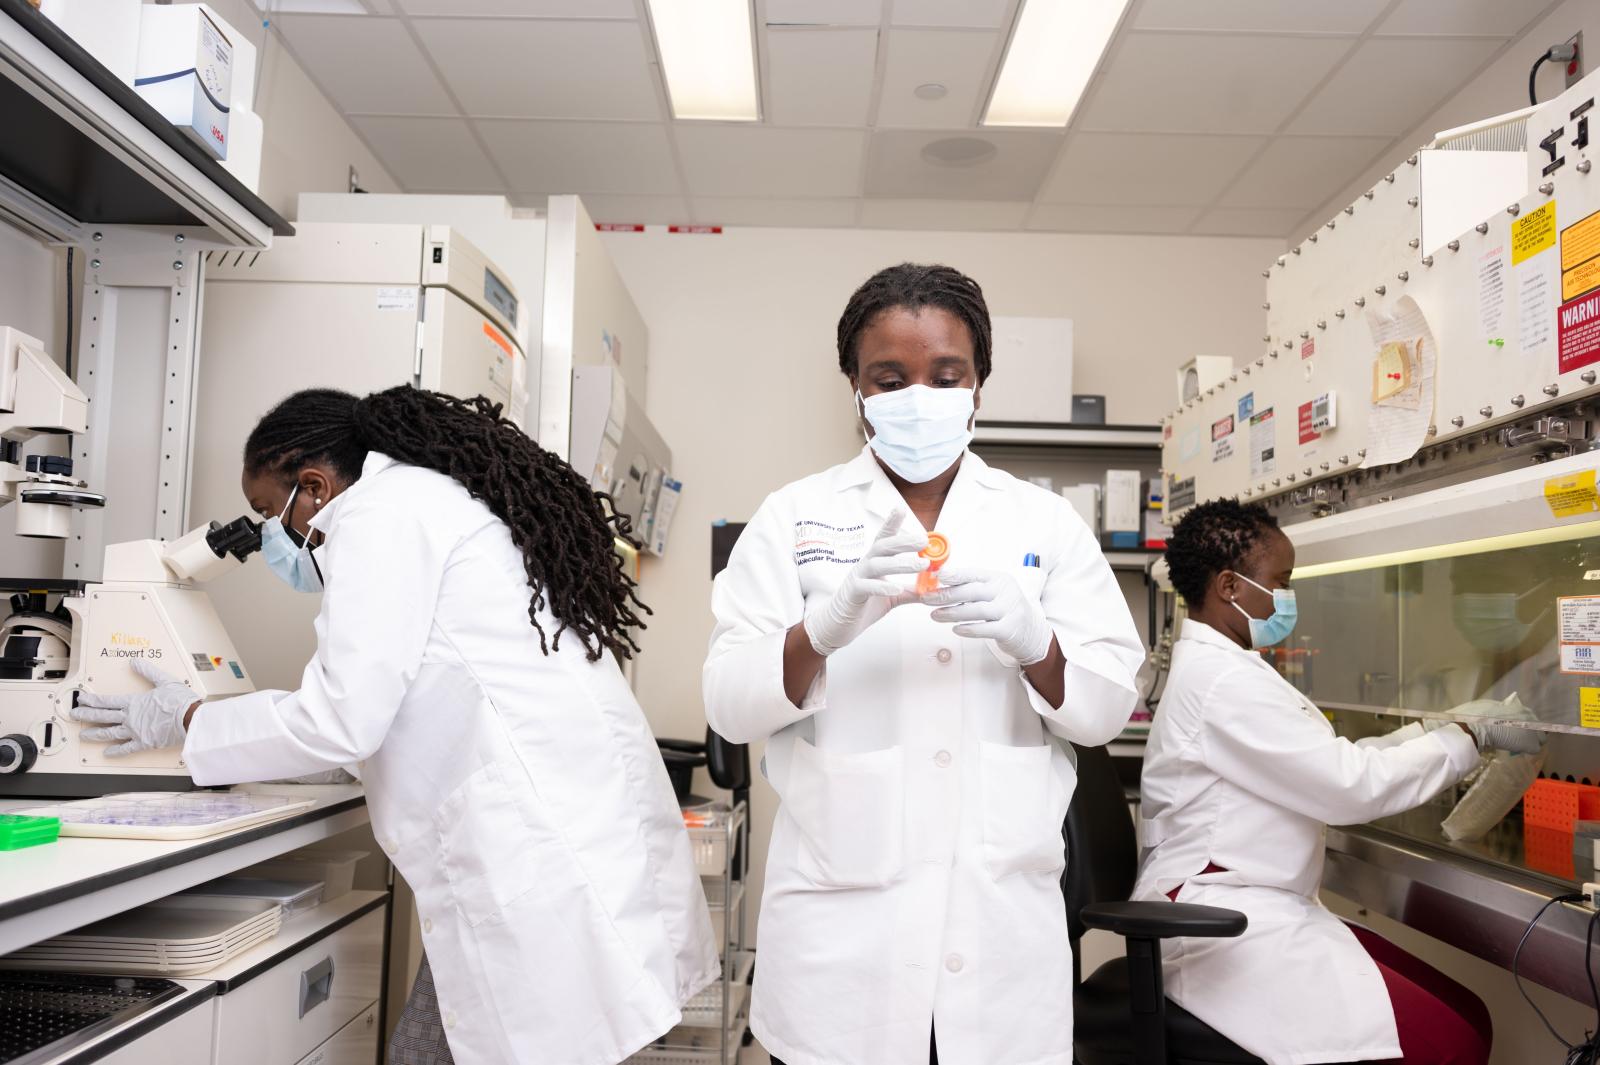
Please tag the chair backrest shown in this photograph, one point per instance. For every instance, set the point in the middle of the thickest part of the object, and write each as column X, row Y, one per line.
column 728, row 764
column 1102, row 850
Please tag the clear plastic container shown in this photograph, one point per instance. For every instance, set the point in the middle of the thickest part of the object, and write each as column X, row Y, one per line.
column 334, row 869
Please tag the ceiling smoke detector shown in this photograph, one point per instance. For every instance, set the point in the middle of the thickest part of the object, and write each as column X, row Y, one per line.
column 959, row 151
column 931, row 91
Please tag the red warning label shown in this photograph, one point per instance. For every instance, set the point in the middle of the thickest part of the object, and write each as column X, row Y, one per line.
column 1578, row 326
column 1307, row 432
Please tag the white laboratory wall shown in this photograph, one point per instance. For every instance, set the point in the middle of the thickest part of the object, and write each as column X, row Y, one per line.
column 745, row 385
column 308, row 146
column 32, row 292
column 1502, row 86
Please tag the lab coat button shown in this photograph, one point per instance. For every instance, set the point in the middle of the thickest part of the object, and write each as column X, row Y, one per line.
column 450, row 1020
column 954, row 963
column 427, row 924
column 944, row 655
column 942, row 759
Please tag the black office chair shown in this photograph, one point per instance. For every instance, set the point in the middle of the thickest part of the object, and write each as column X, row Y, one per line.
column 1121, row 1014
column 728, row 765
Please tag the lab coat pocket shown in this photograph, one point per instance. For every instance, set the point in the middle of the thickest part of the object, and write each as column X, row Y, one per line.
column 1024, row 803
column 850, row 809
column 488, row 853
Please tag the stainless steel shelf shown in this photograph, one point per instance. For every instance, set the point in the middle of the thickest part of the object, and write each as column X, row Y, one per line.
column 82, row 149
column 1445, row 715
column 1130, row 558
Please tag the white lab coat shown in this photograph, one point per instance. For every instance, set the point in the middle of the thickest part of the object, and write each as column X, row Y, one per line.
column 1244, row 772
column 521, row 796
column 913, row 874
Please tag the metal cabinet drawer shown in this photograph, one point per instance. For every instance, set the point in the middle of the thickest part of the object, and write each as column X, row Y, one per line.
column 356, row 1043
column 184, row 1040
column 285, row 1013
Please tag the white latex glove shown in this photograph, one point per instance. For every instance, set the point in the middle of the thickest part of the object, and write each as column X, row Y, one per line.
column 868, row 591
column 988, row 605
column 142, row 722
column 1491, row 735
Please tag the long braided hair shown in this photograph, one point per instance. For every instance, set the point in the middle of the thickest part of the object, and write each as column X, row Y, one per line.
column 914, row 286
column 563, row 528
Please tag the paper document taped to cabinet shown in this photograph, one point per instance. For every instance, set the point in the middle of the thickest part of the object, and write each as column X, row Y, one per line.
column 1578, row 617
column 1403, row 371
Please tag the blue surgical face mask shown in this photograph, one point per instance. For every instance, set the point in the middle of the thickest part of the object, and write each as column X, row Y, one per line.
column 289, row 556
column 1264, row 632
column 919, row 432
column 1489, row 620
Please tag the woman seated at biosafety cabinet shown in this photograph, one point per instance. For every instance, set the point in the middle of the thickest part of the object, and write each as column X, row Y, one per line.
column 471, row 607
column 1241, row 775
column 912, row 892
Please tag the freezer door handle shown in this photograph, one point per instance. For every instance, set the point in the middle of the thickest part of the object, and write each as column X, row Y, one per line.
column 316, row 985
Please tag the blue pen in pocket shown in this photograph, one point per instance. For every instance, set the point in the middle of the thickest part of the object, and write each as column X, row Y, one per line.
column 1030, row 560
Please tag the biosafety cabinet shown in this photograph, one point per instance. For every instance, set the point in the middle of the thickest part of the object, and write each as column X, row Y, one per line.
column 359, row 307
column 1424, row 421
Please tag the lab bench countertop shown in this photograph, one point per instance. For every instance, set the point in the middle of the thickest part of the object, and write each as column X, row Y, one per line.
column 54, row 888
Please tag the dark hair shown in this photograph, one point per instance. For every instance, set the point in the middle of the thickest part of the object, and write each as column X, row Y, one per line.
column 560, row 524
column 1212, row 537
column 915, row 286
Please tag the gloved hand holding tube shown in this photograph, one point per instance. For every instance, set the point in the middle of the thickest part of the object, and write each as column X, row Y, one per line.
column 1505, row 777
column 142, row 722
column 869, row 590
column 988, row 605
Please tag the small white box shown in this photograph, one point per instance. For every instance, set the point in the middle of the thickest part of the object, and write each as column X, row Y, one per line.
column 245, row 133
column 1121, row 508
column 242, row 95
column 1033, row 371
column 107, row 30
column 1085, row 499
column 185, row 70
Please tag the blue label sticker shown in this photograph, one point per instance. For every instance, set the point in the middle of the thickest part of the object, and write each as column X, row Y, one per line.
column 1247, row 405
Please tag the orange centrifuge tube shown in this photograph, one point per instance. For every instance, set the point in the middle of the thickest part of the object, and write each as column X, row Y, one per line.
column 936, row 552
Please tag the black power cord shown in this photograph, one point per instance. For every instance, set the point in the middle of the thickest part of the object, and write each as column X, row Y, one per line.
column 1556, row 53
column 1586, row 1052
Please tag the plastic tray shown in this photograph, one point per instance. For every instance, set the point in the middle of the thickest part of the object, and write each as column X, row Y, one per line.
column 182, row 935
column 704, row 1010
column 170, row 815
column 334, row 869
column 293, row 895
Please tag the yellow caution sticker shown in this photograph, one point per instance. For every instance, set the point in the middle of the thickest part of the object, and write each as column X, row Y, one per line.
column 1580, row 279
column 1581, row 241
column 1533, row 233
column 1589, row 707
column 1571, row 495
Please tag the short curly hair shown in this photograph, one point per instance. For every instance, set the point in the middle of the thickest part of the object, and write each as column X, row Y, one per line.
column 1214, row 536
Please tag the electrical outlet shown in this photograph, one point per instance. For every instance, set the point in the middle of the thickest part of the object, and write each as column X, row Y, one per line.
column 1591, row 895
column 1574, row 68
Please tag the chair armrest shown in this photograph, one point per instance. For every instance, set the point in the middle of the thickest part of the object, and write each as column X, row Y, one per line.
column 1164, row 920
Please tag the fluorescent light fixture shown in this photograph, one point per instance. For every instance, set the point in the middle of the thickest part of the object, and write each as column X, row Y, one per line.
column 708, row 56
column 1052, row 53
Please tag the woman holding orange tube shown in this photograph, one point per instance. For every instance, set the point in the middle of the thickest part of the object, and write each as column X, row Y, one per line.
column 914, row 729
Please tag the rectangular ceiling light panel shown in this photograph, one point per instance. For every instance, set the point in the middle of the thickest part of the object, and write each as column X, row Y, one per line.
column 708, row 57
column 1053, row 52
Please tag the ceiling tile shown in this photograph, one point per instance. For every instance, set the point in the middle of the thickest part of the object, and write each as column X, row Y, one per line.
column 897, row 168
column 1261, row 16
column 591, row 9
column 1437, row 18
column 726, row 211
column 821, row 77
column 1238, row 222
column 1148, row 168
column 649, row 210
column 959, row 60
column 582, row 157
column 939, row 215
column 1213, row 84
column 1303, row 171
column 433, row 154
column 1072, row 218
column 760, row 161
column 1390, row 85
column 365, row 63
column 822, row 12
column 520, row 69
column 963, row 14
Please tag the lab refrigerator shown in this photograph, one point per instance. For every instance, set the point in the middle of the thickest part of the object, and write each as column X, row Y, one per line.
column 359, row 307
